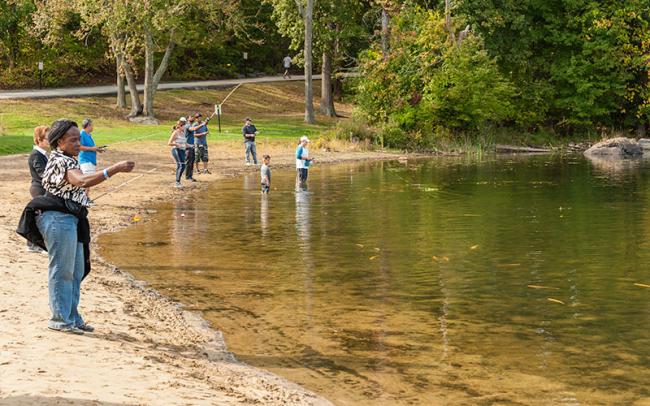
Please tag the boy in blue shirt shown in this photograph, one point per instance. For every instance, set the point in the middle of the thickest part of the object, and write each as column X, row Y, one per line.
column 88, row 149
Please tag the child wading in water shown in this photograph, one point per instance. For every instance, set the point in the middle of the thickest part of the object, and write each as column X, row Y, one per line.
column 266, row 174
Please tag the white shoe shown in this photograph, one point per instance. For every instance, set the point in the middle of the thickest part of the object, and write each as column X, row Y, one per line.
column 178, row 185
column 248, row 164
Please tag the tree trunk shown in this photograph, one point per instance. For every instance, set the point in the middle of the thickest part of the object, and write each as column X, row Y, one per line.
column 136, row 105
column 148, row 74
column 151, row 79
column 309, row 91
column 385, row 33
column 448, row 23
column 121, row 94
column 326, row 94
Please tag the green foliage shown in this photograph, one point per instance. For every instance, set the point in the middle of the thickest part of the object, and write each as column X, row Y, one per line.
column 429, row 85
column 577, row 64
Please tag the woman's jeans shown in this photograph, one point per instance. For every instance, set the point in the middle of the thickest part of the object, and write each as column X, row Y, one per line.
column 179, row 156
column 66, row 267
column 251, row 150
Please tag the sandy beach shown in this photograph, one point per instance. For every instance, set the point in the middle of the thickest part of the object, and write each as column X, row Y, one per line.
column 146, row 349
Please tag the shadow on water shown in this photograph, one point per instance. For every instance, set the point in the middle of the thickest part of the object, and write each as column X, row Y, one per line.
column 438, row 281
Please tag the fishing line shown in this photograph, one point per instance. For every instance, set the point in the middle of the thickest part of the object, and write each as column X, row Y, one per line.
column 125, row 183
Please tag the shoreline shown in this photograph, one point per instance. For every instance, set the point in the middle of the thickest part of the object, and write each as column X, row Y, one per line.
column 136, row 325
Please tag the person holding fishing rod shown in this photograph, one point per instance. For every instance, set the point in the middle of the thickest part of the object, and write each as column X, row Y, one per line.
column 58, row 223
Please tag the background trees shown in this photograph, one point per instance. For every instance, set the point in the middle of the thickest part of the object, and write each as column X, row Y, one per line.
column 563, row 67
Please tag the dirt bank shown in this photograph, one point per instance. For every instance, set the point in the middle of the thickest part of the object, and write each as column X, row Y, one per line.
column 146, row 349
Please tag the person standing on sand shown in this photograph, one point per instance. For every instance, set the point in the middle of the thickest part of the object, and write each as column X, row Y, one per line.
column 58, row 223
column 179, row 143
column 190, row 153
column 249, row 131
column 286, row 61
column 303, row 161
column 37, row 162
column 88, row 154
column 201, row 139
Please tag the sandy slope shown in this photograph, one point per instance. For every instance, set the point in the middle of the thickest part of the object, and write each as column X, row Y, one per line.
column 146, row 349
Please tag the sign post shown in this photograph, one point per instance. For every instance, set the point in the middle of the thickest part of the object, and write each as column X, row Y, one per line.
column 40, row 74
column 218, row 108
column 245, row 55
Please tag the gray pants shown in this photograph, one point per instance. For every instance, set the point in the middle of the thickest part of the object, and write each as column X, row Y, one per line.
column 250, row 149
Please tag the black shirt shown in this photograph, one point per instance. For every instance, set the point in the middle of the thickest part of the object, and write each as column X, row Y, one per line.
column 37, row 163
column 249, row 129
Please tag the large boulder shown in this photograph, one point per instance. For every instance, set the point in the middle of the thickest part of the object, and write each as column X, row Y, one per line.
column 619, row 147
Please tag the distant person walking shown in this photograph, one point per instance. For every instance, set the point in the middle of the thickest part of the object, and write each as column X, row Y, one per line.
column 37, row 162
column 249, row 131
column 201, row 140
column 286, row 61
column 88, row 154
column 189, row 152
column 178, row 142
column 58, row 222
column 265, row 172
column 303, row 161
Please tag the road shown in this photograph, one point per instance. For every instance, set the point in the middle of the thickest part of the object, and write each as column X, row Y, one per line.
column 112, row 89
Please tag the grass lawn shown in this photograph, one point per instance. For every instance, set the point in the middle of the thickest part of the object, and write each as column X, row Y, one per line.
column 277, row 110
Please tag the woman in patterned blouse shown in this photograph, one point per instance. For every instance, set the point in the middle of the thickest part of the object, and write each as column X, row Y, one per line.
column 63, row 178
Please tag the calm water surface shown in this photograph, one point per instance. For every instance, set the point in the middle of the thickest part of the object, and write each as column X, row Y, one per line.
column 504, row 281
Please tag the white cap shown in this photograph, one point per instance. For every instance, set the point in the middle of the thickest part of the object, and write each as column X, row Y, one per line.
column 183, row 119
column 304, row 138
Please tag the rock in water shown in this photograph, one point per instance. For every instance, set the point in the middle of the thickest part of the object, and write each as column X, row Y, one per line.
column 619, row 147
column 645, row 144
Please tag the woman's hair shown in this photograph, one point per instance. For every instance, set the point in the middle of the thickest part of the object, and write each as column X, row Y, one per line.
column 58, row 129
column 40, row 133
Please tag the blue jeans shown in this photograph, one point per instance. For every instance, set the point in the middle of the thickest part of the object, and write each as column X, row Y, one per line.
column 66, row 267
column 179, row 156
column 250, row 149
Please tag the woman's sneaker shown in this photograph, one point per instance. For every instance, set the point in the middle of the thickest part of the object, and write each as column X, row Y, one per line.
column 178, row 185
column 86, row 327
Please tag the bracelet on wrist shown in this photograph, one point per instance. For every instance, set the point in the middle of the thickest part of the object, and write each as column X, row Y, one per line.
column 106, row 174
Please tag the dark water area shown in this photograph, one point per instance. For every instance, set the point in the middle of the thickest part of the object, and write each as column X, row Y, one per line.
column 443, row 281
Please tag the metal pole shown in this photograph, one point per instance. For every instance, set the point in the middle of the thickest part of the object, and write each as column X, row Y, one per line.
column 219, row 118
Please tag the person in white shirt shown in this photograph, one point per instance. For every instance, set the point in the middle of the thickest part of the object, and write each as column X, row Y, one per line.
column 287, row 64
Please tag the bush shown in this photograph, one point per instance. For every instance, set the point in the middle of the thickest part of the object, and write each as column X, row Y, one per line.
column 430, row 85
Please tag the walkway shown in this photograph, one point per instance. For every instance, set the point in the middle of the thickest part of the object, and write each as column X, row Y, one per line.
column 112, row 89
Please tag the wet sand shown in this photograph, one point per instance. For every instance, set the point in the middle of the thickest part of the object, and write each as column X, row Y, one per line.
column 146, row 349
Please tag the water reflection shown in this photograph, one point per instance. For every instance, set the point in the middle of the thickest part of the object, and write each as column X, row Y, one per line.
column 432, row 282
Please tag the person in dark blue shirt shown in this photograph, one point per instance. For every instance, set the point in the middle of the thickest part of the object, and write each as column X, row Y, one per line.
column 249, row 132
column 190, row 152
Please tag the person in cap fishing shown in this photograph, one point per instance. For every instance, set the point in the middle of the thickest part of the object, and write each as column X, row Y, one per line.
column 303, row 161
column 201, row 132
column 58, row 223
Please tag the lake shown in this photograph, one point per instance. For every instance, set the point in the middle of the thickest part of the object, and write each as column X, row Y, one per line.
column 516, row 280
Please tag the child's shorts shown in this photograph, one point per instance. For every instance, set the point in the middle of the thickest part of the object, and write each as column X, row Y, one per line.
column 201, row 153
column 265, row 188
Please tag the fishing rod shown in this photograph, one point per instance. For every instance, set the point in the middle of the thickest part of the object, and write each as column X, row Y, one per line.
column 113, row 189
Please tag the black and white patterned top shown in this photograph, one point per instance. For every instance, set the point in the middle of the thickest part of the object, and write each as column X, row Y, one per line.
column 55, row 182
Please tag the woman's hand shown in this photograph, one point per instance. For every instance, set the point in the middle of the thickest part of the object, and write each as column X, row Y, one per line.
column 124, row 166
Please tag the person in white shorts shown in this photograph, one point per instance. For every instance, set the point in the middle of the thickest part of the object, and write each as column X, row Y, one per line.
column 88, row 150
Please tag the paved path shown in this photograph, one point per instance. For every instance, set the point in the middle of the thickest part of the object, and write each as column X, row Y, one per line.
column 112, row 89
